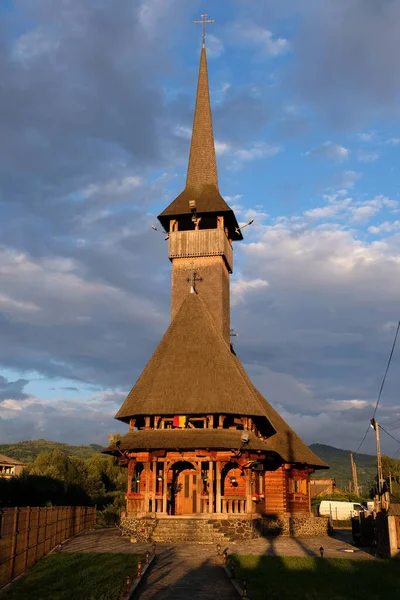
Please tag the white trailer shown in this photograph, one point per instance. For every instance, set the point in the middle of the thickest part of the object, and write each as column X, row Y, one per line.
column 340, row 511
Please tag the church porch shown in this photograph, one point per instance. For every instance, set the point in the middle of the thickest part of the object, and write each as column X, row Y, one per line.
column 216, row 485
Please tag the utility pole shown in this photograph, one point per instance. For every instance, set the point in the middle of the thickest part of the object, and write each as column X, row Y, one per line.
column 375, row 426
column 354, row 473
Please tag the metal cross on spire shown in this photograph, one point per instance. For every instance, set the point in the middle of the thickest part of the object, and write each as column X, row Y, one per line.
column 204, row 22
column 193, row 277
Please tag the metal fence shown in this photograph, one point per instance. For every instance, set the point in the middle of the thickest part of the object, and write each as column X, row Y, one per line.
column 27, row 534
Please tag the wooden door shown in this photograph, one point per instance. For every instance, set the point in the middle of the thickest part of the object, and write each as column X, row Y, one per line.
column 187, row 495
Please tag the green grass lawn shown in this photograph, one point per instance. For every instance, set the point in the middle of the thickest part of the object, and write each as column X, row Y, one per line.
column 304, row 578
column 75, row 577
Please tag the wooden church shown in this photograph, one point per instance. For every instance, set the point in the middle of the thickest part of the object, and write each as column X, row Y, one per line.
column 202, row 440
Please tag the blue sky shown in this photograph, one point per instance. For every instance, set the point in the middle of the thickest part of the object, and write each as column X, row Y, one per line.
column 95, row 120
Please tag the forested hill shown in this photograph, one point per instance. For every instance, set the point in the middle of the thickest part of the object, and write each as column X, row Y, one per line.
column 340, row 467
column 28, row 451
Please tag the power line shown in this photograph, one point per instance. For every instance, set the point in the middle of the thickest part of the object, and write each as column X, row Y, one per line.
column 382, row 385
column 389, row 434
column 363, row 440
column 387, row 368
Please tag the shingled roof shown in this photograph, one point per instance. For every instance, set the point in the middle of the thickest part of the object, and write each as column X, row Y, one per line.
column 202, row 174
column 193, row 371
column 294, row 451
column 185, row 439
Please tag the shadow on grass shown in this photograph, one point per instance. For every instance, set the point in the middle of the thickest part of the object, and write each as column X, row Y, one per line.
column 75, row 576
column 312, row 578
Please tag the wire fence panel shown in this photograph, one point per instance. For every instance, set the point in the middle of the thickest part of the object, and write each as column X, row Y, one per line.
column 27, row 534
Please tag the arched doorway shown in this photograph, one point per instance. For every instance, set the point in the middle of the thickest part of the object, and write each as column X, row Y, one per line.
column 182, row 489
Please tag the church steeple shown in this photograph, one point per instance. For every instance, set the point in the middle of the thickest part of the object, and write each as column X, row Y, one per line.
column 201, row 188
column 202, row 169
column 200, row 224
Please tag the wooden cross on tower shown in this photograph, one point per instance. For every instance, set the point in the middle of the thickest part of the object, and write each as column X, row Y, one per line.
column 193, row 277
column 204, row 22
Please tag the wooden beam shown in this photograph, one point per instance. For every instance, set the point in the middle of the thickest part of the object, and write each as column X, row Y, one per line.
column 199, row 483
column 164, row 487
column 146, row 489
column 218, row 486
column 249, row 493
column 211, row 486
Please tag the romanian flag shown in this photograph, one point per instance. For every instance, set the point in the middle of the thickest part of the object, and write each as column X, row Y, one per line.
column 179, row 421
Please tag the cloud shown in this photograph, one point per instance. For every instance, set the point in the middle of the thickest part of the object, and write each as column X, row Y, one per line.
column 320, row 321
column 12, row 389
column 365, row 156
column 386, row 227
column 330, row 150
column 346, row 59
column 367, row 136
column 215, row 47
column 242, row 288
column 346, row 179
column 329, row 211
column 339, row 206
column 252, row 34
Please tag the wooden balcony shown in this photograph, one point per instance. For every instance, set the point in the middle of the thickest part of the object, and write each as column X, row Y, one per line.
column 203, row 242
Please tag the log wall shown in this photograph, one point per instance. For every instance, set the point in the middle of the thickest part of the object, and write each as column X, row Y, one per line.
column 276, row 492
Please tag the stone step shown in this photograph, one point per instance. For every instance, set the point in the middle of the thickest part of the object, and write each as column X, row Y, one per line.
column 169, row 526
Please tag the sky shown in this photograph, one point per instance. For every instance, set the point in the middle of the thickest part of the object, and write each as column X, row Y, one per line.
column 96, row 109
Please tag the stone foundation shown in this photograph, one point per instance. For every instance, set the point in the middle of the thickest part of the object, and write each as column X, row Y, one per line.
column 294, row 526
column 237, row 529
column 140, row 530
column 144, row 529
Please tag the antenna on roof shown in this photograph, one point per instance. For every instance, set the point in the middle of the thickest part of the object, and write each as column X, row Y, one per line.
column 239, row 229
column 163, row 231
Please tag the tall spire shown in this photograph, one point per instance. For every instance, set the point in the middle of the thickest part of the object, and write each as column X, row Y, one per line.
column 202, row 169
column 202, row 175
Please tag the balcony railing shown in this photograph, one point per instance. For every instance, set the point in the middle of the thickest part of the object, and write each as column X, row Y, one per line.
column 233, row 505
column 202, row 242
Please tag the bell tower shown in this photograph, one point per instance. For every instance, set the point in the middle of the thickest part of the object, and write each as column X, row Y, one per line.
column 200, row 224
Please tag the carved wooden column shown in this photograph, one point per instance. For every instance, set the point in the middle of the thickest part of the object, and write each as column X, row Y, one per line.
column 131, row 466
column 218, row 486
column 249, row 494
column 153, row 487
column 146, row 489
column 199, row 483
column 211, row 486
column 164, row 487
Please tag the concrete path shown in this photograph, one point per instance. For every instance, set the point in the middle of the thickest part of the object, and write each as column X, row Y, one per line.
column 110, row 540
column 183, row 572
column 187, row 573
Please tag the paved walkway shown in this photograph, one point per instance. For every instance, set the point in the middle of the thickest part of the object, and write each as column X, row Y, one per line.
column 110, row 540
column 192, row 572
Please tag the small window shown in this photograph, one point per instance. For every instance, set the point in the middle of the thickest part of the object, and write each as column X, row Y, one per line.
column 297, row 486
